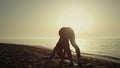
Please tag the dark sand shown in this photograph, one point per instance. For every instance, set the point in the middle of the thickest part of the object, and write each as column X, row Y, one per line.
column 24, row 56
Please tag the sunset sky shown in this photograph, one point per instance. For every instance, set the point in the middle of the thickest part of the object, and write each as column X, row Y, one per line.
column 43, row 18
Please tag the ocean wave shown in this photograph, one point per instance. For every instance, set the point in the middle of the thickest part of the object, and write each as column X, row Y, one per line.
column 104, row 57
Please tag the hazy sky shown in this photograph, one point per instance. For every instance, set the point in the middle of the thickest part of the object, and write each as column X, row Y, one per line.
column 41, row 18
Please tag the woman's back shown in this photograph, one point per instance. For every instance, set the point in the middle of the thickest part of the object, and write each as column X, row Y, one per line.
column 66, row 33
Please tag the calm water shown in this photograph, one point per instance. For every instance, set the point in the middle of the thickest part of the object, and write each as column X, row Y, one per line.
column 109, row 48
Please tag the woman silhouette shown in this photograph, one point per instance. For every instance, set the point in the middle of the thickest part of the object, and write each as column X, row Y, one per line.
column 63, row 47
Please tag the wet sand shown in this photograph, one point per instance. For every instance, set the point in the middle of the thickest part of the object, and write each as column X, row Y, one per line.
column 25, row 56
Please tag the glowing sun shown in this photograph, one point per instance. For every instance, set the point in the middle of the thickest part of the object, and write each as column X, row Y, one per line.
column 75, row 18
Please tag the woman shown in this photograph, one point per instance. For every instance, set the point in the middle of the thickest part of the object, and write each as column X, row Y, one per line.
column 63, row 47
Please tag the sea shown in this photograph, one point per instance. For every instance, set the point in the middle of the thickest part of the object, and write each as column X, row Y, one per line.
column 107, row 49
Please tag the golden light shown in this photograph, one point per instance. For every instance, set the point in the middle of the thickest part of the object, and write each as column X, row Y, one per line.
column 75, row 18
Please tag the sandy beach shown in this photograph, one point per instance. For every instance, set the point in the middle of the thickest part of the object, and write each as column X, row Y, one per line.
column 25, row 56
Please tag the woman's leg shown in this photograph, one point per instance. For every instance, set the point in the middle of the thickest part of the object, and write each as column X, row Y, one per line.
column 77, row 51
column 53, row 53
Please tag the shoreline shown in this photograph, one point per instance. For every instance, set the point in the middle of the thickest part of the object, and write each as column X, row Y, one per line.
column 27, row 56
column 103, row 57
column 97, row 56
